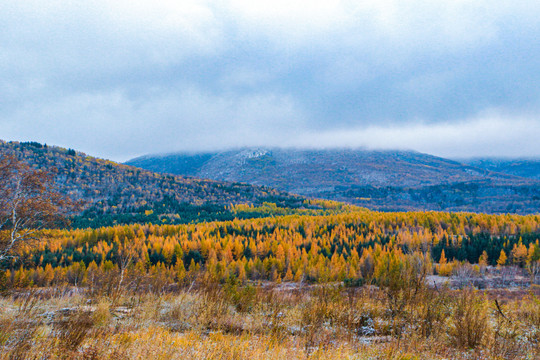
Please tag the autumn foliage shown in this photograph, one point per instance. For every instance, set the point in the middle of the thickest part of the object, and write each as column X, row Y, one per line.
column 356, row 247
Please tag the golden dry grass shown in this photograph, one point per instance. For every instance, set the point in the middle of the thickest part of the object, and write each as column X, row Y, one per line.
column 220, row 322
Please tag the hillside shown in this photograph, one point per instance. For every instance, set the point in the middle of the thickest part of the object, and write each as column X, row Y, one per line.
column 528, row 168
column 383, row 180
column 116, row 193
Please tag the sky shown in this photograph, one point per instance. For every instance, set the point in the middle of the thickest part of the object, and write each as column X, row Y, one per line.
column 119, row 79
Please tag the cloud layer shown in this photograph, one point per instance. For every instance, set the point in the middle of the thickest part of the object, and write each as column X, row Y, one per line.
column 123, row 78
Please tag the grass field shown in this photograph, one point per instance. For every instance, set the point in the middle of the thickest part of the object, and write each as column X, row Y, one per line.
column 265, row 321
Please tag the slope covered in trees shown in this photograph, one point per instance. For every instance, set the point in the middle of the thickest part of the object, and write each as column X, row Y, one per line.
column 528, row 168
column 115, row 193
column 380, row 180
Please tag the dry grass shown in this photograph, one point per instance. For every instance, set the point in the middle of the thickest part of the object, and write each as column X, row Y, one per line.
column 257, row 322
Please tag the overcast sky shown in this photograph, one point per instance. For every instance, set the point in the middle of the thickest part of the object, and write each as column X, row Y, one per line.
column 118, row 79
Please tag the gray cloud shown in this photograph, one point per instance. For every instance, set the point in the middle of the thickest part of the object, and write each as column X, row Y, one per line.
column 124, row 78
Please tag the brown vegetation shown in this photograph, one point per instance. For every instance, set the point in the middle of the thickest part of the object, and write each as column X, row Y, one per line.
column 231, row 321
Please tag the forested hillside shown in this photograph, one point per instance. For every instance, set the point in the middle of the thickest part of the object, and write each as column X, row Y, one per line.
column 528, row 168
column 115, row 193
column 379, row 180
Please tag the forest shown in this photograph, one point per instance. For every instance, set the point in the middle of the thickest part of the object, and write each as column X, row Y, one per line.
column 351, row 283
column 352, row 246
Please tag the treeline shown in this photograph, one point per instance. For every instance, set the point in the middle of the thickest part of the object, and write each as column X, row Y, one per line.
column 479, row 196
column 355, row 247
column 170, row 211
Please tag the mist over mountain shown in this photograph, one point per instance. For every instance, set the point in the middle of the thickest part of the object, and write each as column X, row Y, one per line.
column 382, row 180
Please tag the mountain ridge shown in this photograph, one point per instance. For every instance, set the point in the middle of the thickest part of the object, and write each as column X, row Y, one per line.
column 377, row 179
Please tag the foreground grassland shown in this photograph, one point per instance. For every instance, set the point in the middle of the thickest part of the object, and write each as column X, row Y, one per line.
column 268, row 322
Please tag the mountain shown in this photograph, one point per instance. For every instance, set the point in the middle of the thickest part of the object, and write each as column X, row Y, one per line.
column 117, row 193
column 528, row 168
column 381, row 180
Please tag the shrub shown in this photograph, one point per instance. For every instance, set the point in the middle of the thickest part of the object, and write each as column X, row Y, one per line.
column 469, row 320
